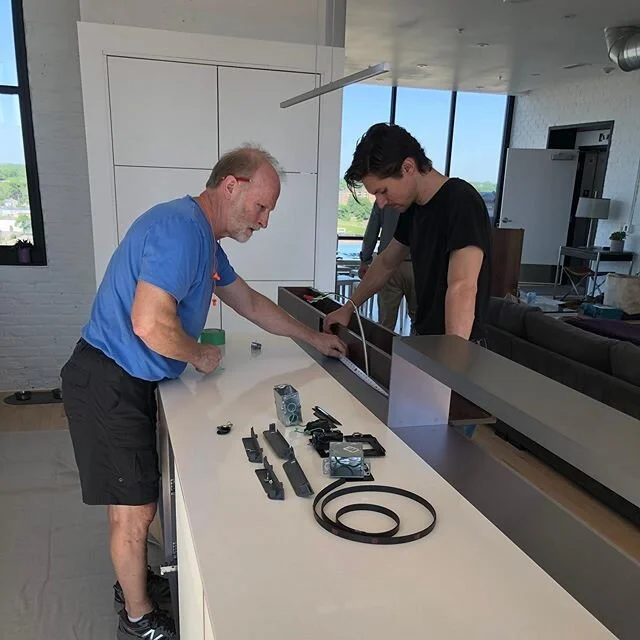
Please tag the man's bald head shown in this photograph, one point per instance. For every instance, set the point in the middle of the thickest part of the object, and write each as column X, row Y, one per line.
column 245, row 162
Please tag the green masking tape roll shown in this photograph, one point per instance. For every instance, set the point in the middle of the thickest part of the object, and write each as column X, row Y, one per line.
column 213, row 336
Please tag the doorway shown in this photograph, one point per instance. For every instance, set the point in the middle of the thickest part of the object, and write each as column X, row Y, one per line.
column 592, row 141
column 592, row 167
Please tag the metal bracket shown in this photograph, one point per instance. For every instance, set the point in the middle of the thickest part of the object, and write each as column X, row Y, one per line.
column 296, row 475
column 269, row 481
column 277, row 441
column 252, row 447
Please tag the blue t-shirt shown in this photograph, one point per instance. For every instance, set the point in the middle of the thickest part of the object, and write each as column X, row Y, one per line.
column 172, row 247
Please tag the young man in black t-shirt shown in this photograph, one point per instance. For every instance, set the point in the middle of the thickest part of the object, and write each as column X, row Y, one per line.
column 443, row 221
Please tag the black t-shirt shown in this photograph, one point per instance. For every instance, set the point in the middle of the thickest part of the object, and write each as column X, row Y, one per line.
column 456, row 217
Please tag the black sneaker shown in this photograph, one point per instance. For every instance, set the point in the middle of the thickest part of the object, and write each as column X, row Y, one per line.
column 157, row 625
column 157, row 586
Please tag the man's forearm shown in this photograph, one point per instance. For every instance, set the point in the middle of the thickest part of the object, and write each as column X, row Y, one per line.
column 374, row 279
column 272, row 318
column 167, row 337
column 459, row 313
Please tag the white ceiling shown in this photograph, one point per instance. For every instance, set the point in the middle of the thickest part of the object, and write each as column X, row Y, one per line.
column 522, row 39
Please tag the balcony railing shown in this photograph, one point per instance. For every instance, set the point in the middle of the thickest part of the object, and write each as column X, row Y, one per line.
column 347, row 280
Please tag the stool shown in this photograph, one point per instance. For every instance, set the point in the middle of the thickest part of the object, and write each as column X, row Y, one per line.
column 577, row 276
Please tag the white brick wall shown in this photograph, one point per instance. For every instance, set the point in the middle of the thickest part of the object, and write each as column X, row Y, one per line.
column 42, row 309
column 613, row 97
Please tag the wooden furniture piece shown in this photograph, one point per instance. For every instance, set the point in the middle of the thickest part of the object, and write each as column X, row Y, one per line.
column 505, row 263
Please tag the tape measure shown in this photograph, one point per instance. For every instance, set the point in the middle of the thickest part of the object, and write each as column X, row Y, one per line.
column 363, row 376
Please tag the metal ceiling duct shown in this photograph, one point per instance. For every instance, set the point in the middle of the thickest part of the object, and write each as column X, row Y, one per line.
column 623, row 44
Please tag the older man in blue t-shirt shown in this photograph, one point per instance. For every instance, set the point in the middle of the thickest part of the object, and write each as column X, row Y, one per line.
column 145, row 322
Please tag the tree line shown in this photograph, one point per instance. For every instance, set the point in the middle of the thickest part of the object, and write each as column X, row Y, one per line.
column 13, row 184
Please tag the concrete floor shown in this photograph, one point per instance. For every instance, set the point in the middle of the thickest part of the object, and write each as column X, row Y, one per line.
column 55, row 567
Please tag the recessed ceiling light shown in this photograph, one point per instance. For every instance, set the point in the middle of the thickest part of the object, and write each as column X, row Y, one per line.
column 482, row 44
column 576, row 66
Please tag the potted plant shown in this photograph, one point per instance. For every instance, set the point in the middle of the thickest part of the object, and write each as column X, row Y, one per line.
column 24, row 251
column 617, row 240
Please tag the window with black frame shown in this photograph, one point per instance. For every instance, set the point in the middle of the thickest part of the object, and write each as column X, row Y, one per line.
column 21, row 229
column 362, row 106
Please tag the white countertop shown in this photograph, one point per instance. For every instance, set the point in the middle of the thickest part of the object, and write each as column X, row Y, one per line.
column 269, row 571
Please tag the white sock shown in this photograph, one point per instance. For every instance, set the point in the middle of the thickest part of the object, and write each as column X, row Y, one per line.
column 134, row 619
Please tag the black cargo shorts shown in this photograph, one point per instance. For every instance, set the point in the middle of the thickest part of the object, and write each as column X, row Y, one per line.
column 112, row 421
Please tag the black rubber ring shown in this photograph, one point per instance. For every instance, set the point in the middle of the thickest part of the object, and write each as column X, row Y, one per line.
column 350, row 508
column 331, row 492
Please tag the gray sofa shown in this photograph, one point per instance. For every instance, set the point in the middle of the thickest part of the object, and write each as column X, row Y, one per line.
column 605, row 369
column 608, row 370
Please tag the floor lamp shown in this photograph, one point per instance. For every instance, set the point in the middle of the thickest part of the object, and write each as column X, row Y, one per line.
column 595, row 209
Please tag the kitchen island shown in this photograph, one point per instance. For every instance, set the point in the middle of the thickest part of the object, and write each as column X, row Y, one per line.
column 250, row 567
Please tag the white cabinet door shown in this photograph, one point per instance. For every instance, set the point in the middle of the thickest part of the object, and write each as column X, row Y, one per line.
column 163, row 114
column 285, row 250
column 250, row 112
column 234, row 323
column 190, row 592
column 140, row 188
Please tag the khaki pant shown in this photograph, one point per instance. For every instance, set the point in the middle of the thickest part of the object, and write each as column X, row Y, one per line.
column 400, row 284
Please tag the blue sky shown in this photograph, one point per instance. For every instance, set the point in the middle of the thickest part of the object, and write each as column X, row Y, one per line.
column 10, row 134
column 7, row 61
column 425, row 114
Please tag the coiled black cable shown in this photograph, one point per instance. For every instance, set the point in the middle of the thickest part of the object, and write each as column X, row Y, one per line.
column 337, row 528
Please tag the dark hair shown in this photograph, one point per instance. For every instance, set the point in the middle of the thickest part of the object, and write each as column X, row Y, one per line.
column 242, row 162
column 381, row 152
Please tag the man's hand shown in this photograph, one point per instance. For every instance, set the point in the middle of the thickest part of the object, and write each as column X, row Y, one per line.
column 208, row 358
column 362, row 270
column 341, row 316
column 329, row 345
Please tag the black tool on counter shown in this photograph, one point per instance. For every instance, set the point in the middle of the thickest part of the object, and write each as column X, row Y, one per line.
column 319, row 412
column 296, row 475
column 338, row 528
column 252, row 447
column 269, row 481
column 373, row 448
column 223, row 429
column 319, row 425
column 277, row 441
column 320, row 441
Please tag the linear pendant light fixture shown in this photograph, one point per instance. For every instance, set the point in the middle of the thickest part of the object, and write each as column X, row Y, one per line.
column 365, row 74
